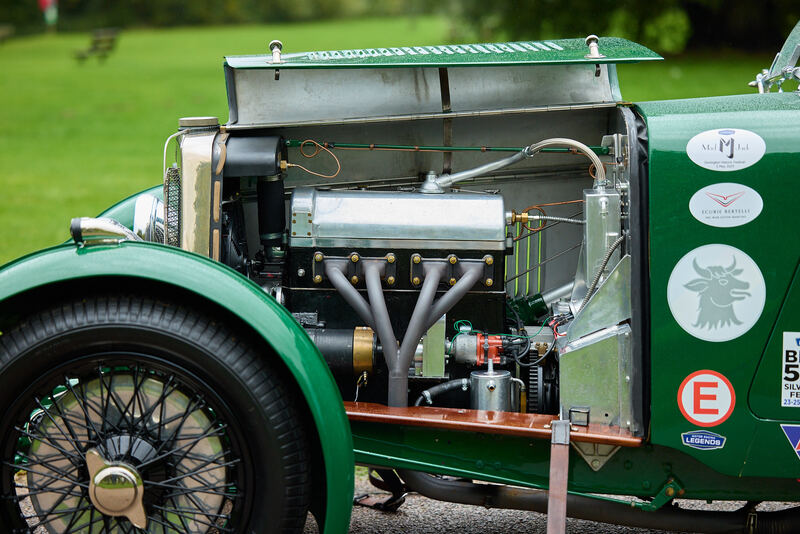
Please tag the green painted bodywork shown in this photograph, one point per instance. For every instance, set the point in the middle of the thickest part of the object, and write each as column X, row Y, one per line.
column 640, row 471
column 244, row 299
column 555, row 52
column 756, row 445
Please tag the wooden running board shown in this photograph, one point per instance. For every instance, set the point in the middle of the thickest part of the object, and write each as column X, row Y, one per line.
column 510, row 423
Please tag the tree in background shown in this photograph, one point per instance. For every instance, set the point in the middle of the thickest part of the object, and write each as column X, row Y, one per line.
column 667, row 26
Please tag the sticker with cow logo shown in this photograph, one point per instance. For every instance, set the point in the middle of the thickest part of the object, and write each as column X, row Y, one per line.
column 726, row 149
column 706, row 398
column 726, row 205
column 716, row 292
column 704, row 440
column 790, row 370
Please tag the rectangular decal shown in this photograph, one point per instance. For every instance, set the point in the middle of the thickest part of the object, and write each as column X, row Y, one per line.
column 703, row 440
column 790, row 370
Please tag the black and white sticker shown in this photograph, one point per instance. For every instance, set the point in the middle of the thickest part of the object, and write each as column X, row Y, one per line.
column 726, row 149
column 790, row 370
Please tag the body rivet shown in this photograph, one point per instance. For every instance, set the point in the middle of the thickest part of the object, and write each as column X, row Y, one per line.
column 390, row 280
column 452, row 281
column 318, row 256
column 489, row 282
column 354, row 279
column 317, row 279
column 453, row 260
column 415, row 280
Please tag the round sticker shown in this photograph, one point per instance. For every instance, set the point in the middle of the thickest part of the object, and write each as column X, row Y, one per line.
column 706, row 398
column 726, row 205
column 726, row 149
column 716, row 292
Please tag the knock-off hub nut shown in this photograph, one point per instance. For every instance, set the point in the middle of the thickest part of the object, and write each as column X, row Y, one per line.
column 116, row 489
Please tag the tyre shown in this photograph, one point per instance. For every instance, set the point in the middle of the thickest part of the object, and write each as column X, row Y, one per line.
column 129, row 414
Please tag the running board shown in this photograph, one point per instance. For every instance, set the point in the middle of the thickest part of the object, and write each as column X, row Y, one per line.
column 509, row 423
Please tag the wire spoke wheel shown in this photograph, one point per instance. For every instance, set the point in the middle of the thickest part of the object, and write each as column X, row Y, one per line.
column 144, row 440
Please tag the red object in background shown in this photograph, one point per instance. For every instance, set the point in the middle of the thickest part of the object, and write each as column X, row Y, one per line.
column 495, row 345
column 44, row 4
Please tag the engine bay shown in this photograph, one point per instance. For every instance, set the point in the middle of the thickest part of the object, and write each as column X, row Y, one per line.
column 500, row 282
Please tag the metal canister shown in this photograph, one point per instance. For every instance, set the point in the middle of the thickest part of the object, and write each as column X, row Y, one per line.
column 490, row 390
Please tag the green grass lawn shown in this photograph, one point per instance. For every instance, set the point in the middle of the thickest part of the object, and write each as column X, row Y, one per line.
column 74, row 138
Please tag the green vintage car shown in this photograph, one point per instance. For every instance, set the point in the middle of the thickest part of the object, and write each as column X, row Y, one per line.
column 475, row 269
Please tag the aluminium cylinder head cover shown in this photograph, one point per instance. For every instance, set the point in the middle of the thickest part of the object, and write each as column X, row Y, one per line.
column 404, row 220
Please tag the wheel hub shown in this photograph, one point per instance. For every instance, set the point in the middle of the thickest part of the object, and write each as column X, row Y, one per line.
column 116, row 489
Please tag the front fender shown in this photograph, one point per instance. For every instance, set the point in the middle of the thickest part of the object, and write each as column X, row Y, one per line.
column 227, row 289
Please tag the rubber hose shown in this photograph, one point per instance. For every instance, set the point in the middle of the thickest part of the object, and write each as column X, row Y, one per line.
column 438, row 389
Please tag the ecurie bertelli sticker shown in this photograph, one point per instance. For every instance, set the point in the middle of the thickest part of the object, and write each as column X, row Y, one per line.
column 790, row 370
column 726, row 205
column 726, row 149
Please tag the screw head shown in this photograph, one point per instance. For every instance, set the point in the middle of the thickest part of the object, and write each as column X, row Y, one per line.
column 354, row 279
column 415, row 280
column 318, row 256
column 670, row 491
column 390, row 258
column 416, row 258
column 354, row 258
column 452, row 281
column 317, row 279
column 390, row 280
column 489, row 260
column 453, row 260
column 301, row 272
column 489, row 282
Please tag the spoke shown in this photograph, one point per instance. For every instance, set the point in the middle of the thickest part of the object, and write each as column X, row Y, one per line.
column 48, row 475
column 166, row 522
column 194, row 404
column 52, row 511
column 47, row 439
column 179, row 514
column 196, row 472
column 41, row 491
column 83, row 406
column 191, row 444
column 211, row 490
column 52, row 516
column 57, row 426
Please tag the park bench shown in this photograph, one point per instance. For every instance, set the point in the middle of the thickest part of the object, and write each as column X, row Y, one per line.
column 102, row 44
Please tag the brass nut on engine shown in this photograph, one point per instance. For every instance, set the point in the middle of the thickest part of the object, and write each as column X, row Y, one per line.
column 390, row 280
column 317, row 279
column 453, row 260
column 416, row 258
column 489, row 260
column 354, row 279
column 318, row 256
column 390, row 258
column 489, row 282
column 452, row 281
column 354, row 258
column 415, row 280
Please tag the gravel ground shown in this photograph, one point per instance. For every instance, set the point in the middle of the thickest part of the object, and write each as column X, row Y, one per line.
column 420, row 515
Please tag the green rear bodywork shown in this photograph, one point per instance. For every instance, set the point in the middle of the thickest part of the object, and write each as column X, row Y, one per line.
column 555, row 52
column 756, row 445
column 238, row 295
